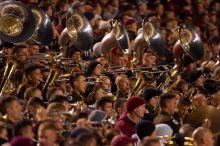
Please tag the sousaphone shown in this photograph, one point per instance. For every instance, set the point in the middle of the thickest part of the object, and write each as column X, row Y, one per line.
column 118, row 37
column 189, row 45
column 151, row 38
column 17, row 23
column 44, row 32
column 78, row 32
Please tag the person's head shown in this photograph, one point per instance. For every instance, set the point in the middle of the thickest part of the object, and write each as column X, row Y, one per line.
column 33, row 73
column 11, row 107
column 203, row 137
column 105, row 104
column 148, row 141
column 78, row 82
column 122, row 83
column 136, row 106
column 94, row 69
column 145, row 128
column 23, row 128
column 119, row 105
column 148, row 59
column 32, row 92
column 105, row 83
column 122, row 140
column 76, row 55
column 167, row 103
column 54, row 91
column 82, row 120
column 21, row 53
column 53, row 111
column 33, row 48
column 187, row 130
column 47, row 134
column 199, row 100
column 151, row 96
column 35, row 108
column 183, row 106
column 182, row 86
column 86, row 139
column 60, row 99
column 197, row 78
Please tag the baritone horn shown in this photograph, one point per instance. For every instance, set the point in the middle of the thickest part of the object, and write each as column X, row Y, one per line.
column 17, row 23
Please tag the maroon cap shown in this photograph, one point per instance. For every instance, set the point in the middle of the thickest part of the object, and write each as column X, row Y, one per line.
column 134, row 102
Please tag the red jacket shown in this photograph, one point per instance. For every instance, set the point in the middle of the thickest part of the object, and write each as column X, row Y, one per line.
column 125, row 125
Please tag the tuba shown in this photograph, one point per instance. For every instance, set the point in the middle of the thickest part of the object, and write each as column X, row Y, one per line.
column 44, row 32
column 118, row 37
column 188, row 46
column 17, row 23
column 78, row 32
column 151, row 38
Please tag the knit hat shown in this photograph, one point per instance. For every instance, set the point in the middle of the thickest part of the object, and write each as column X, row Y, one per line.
column 144, row 128
column 122, row 140
column 164, row 129
column 195, row 75
column 21, row 141
column 151, row 92
column 91, row 67
column 134, row 102
column 97, row 116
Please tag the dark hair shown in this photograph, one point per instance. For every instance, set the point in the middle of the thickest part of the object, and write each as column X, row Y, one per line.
column 29, row 68
column 85, row 138
column 35, row 101
column 51, row 91
column 17, row 48
column 59, row 98
column 5, row 102
column 20, row 125
column 184, row 101
column 29, row 92
column 164, row 98
column 103, row 100
column 119, row 102
column 75, row 76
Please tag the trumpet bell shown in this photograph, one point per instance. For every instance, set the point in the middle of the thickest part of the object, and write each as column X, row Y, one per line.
column 16, row 22
column 44, row 32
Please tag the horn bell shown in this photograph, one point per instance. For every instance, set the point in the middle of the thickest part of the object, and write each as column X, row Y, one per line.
column 17, row 23
column 191, row 42
column 80, row 30
column 153, row 38
column 44, row 31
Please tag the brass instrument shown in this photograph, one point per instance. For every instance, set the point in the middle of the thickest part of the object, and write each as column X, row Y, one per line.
column 118, row 37
column 150, row 37
column 54, row 72
column 173, row 140
column 44, row 32
column 17, row 22
column 189, row 44
column 9, row 71
column 78, row 32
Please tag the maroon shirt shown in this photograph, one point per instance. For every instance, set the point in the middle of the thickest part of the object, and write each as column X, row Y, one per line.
column 125, row 125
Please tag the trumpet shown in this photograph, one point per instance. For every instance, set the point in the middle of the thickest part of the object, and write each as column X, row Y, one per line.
column 177, row 139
